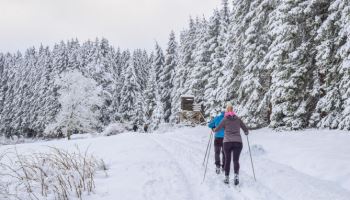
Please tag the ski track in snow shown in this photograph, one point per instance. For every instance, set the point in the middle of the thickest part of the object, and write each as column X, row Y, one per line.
column 275, row 181
column 174, row 166
column 214, row 182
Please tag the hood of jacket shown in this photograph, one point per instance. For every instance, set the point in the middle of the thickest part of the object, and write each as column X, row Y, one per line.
column 230, row 114
column 231, row 117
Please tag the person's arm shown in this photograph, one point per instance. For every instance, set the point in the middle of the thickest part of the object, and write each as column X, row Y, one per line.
column 221, row 125
column 244, row 127
column 212, row 124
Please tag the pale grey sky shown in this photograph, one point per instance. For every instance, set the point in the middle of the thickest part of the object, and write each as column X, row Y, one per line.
column 125, row 23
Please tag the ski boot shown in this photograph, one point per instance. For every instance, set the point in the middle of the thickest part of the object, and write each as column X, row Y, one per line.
column 227, row 180
column 236, row 179
column 217, row 170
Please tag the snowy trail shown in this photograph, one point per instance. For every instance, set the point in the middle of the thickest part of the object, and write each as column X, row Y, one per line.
column 174, row 166
column 190, row 153
column 169, row 166
column 145, row 171
column 277, row 181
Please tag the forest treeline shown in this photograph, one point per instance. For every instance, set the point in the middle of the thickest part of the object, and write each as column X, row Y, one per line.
column 282, row 63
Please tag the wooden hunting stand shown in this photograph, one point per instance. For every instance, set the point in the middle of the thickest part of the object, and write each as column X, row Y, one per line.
column 190, row 113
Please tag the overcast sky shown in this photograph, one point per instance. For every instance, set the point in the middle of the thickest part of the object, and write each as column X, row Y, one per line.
column 125, row 23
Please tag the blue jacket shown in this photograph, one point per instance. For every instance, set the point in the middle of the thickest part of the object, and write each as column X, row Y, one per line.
column 215, row 123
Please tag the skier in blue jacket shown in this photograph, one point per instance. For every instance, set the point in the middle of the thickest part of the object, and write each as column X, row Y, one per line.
column 218, row 141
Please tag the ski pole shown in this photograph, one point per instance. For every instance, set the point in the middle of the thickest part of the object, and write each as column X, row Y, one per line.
column 251, row 159
column 209, row 147
column 206, row 165
column 211, row 135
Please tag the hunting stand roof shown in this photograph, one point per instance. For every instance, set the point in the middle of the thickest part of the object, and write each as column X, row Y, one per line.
column 187, row 102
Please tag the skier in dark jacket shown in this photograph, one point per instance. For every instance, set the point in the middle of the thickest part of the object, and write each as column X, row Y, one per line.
column 145, row 128
column 135, row 128
column 218, row 141
column 232, row 141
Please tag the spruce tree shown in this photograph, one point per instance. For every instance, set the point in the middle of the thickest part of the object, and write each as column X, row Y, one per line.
column 167, row 75
column 158, row 61
column 292, row 65
column 124, row 63
column 151, row 95
column 233, row 65
column 255, row 80
column 184, row 66
column 344, row 54
column 3, row 80
column 219, row 72
column 326, row 77
column 129, row 93
column 199, row 72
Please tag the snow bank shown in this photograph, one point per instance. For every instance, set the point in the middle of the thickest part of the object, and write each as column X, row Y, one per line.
column 16, row 140
column 323, row 154
column 114, row 129
column 256, row 150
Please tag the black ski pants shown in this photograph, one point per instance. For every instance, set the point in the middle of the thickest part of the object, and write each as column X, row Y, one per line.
column 229, row 148
column 218, row 148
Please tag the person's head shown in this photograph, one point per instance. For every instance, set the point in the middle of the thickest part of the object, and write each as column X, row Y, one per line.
column 229, row 107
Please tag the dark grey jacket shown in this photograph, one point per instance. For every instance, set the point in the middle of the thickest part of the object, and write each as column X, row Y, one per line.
column 232, row 126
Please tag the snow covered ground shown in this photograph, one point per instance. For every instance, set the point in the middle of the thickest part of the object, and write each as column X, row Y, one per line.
column 309, row 164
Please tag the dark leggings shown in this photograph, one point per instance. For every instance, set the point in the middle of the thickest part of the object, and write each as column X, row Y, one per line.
column 236, row 148
column 219, row 150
